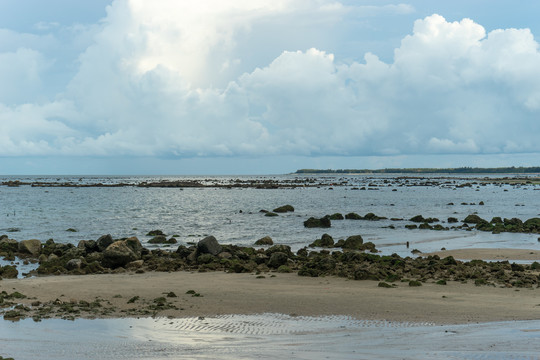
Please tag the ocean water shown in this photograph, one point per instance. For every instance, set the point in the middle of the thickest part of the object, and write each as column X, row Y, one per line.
column 266, row 336
column 233, row 215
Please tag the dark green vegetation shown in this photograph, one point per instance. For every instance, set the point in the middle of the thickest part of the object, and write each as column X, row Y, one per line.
column 462, row 170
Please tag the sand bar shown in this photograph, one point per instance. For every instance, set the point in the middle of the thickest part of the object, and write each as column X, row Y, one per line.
column 224, row 293
column 490, row 254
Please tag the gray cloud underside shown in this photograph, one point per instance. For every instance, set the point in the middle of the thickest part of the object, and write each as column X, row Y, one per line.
column 147, row 85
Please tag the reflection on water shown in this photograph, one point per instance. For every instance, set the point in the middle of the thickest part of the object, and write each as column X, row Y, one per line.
column 266, row 336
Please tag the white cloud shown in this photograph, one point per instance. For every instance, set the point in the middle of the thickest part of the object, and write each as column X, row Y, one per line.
column 178, row 79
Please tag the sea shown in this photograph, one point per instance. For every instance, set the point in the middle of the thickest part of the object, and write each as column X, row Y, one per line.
column 233, row 215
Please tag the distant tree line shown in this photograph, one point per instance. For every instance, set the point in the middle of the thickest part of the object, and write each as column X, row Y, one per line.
column 461, row 170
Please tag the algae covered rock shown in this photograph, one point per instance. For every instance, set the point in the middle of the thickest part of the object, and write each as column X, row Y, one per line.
column 267, row 240
column 314, row 222
column 32, row 247
column 354, row 242
column 284, row 209
column 122, row 252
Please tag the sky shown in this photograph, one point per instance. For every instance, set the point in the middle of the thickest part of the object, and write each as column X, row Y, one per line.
column 212, row 87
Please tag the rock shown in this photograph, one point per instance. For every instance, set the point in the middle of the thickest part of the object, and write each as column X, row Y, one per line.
column 354, row 242
column 452, row 220
column 277, row 259
column 353, row 216
column 32, row 247
column 209, row 245
column 162, row 239
column 137, row 264
column 135, row 245
column 474, row 219
column 325, row 241
column 267, row 240
column 122, row 252
column 284, row 209
column 279, row 248
column 7, row 244
column 270, row 214
column 155, row 233
column 88, row 246
column 183, row 251
column 103, row 242
column 74, row 264
column 314, row 222
column 336, row 216
column 8, row 272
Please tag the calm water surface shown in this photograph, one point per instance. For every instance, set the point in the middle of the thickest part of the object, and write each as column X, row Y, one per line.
column 232, row 215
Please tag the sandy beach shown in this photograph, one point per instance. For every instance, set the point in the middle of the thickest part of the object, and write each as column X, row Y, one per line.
column 217, row 293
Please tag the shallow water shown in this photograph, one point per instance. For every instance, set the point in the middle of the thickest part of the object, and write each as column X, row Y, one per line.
column 266, row 336
column 232, row 215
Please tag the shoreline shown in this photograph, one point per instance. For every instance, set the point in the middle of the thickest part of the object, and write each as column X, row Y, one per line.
column 221, row 293
column 488, row 254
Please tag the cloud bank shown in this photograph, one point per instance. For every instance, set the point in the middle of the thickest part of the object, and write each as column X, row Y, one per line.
column 173, row 79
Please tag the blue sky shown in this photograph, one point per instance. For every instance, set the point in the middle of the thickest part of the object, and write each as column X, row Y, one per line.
column 265, row 87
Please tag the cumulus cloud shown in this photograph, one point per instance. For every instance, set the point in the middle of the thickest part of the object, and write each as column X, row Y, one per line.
column 178, row 79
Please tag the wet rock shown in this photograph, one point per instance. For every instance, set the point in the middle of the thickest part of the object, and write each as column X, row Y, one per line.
column 452, row 220
column 353, row 216
column 8, row 272
column 122, row 252
column 88, row 246
column 325, row 241
column 32, row 247
column 284, row 209
column 279, row 248
column 354, row 242
column 103, row 242
column 474, row 219
column 155, row 233
column 74, row 264
column 277, row 259
column 8, row 245
column 209, row 245
column 271, row 214
column 314, row 222
column 161, row 239
column 267, row 240
column 183, row 251
column 420, row 218
column 336, row 216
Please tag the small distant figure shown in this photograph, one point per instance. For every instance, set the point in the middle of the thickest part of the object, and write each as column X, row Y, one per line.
column 407, row 244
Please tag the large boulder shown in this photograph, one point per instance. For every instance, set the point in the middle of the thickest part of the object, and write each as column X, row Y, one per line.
column 122, row 252
column 277, row 259
column 209, row 245
column 32, row 247
column 353, row 242
column 104, row 241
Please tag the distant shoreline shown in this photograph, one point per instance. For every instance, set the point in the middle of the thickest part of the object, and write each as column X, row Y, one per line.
column 462, row 170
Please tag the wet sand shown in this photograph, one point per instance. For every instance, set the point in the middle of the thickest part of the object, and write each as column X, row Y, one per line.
column 223, row 293
column 490, row 254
